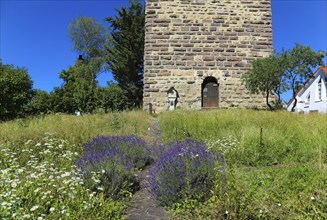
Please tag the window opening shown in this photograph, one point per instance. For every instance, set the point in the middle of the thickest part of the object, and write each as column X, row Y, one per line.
column 319, row 89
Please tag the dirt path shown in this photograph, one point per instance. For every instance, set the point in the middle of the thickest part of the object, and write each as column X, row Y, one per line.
column 142, row 205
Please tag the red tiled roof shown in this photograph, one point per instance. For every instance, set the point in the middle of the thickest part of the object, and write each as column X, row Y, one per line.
column 324, row 68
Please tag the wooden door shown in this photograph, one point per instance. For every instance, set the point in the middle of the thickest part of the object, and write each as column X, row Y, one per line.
column 210, row 94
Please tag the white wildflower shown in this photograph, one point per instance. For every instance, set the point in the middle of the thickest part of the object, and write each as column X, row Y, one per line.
column 34, row 208
column 13, row 184
column 312, row 198
column 65, row 174
column 52, row 209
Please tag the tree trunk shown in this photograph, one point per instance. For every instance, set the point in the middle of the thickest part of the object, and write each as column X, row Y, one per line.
column 267, row 101
column 295, row 102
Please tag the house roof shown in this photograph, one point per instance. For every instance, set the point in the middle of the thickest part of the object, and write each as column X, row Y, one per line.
column 323, row 68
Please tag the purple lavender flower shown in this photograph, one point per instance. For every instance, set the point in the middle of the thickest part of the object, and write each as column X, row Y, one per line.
column 113, row 159
column 132, row 147
column 185, row 169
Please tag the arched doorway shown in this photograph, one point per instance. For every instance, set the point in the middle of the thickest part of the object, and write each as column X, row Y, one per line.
column 210, row 91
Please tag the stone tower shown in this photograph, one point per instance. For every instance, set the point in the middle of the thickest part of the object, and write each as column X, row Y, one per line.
column 199, row 49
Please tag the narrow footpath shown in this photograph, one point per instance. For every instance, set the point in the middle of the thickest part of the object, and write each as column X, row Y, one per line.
column 142, row 205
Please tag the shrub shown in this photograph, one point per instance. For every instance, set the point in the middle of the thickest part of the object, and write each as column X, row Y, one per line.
column 109, row 161
column 132, row 147
column 184, row 171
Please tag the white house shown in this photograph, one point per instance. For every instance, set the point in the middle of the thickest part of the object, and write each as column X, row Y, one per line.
column 313, row 96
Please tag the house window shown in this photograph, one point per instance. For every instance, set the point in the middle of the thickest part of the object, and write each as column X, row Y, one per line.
column 319, row 89
column 307, row 100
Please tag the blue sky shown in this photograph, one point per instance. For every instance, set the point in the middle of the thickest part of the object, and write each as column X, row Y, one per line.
column 34, row 34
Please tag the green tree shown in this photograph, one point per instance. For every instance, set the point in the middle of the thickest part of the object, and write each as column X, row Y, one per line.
column 126, row 49
column 113, row 98
column 79, row 91
column 298, row 64
column 88, row 37
column 16, row 91
column 39, row 104
column 264, row 77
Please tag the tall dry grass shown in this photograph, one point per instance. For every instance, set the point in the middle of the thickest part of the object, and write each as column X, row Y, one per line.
column 76, row 130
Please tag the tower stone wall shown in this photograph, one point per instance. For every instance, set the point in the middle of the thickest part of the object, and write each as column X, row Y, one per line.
column 187, row 41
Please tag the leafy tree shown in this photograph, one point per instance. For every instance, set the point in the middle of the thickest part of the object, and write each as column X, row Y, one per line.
column 297, row 64
column 113, row 98
column 39, row 104
column 16, row 91
column 79, row 91
column 88, row 37
column 125, row 50
column 264, row 77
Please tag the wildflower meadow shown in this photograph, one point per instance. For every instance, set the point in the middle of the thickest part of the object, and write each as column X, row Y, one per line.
column 224, row 164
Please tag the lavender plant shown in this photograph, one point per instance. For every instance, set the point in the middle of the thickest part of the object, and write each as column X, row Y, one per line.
column 109, row 161
column 185, row 170
column 132, row 147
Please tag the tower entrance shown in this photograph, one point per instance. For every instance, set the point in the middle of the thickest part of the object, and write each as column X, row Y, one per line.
column 210, row 93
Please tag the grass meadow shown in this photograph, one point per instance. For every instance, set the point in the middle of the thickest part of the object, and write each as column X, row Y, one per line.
column 275, row 164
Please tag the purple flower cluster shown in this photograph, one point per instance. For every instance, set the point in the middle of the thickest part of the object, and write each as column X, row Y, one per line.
column 185, row 169
column 113, row 159
column 130, row 148
column 112, row 154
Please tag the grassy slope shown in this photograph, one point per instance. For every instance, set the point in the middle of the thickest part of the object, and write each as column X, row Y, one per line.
column 284, row 175
column 77, row 130
column 289, row 168
column 30, row 159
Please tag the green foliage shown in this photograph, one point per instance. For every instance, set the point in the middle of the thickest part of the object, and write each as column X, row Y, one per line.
column 297, row 65
column 126, row 49
column 15, row 92
column 112, row 98
column 39, row 104
column 264, row 77
column 88, row 36
column 288, row 70
column 79, row 91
